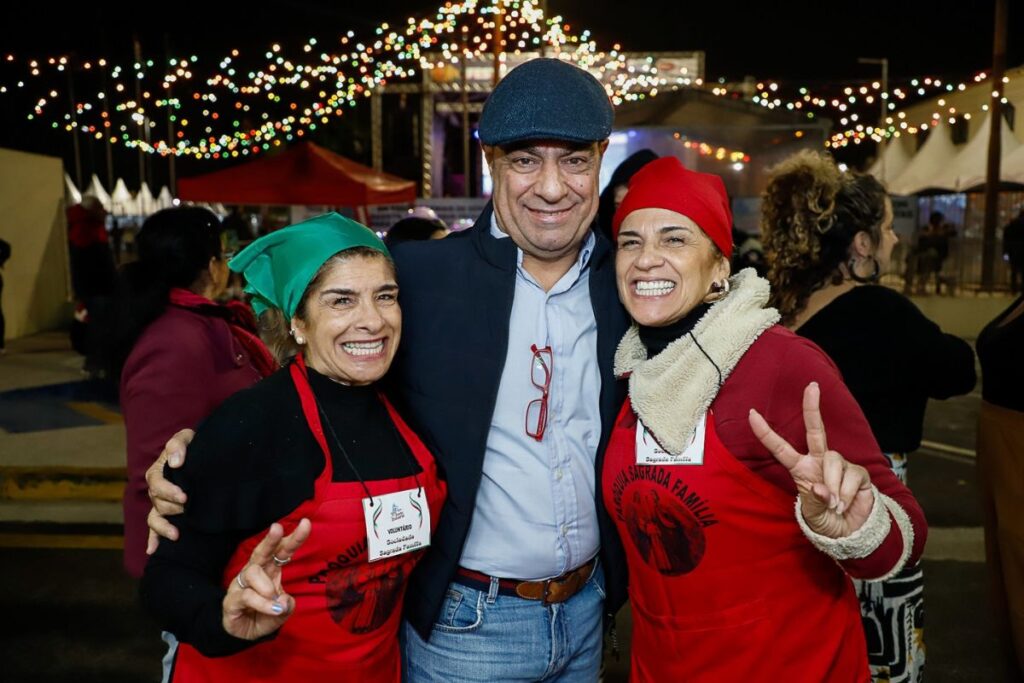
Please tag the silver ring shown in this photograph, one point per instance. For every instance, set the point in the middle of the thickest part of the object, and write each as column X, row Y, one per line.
column 281, row 563
column 238, row 580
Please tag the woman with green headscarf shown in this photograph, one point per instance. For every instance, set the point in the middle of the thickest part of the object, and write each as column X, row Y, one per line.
column 309, row 499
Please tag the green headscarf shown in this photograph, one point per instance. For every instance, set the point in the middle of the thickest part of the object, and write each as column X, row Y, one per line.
column 279, row 267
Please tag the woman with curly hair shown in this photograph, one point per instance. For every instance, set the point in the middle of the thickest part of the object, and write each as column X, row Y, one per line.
column 828, row 237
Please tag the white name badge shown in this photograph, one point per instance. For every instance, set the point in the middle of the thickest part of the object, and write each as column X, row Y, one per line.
column 396, row 524
column 650, row 452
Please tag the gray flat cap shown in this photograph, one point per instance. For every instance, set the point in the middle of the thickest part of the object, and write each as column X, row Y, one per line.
column 546, row 99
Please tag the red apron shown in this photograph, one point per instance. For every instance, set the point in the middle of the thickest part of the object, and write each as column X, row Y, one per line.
column 347, row 613
column 723, row 584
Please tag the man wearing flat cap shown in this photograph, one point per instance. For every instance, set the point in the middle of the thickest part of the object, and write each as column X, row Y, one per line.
column 506, row 368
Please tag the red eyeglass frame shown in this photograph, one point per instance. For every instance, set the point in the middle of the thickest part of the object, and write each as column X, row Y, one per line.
column 548, row 364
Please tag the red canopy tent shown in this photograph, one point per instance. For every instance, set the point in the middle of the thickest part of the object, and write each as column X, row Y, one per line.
column 303, row 174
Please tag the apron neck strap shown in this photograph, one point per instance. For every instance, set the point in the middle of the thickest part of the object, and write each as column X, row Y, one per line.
column 300, row 379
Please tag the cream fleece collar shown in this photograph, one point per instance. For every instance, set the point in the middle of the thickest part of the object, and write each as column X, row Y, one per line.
column 671, row 391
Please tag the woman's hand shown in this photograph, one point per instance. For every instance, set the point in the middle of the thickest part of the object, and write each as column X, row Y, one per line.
column 255, row 604
column 835, row 495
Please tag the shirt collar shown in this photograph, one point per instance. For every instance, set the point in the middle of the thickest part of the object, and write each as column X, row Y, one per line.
column 586, row 251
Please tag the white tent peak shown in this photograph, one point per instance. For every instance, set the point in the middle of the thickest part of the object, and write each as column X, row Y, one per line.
column 935, row 154
column 164, row 200
column 896, row 157
column 147, row 203
column 969, row 168
column 96, row 190
column 71, row 193
column 121, row 201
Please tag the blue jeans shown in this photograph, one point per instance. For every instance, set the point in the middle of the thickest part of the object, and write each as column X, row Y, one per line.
column 168, row 660
column 491, row 638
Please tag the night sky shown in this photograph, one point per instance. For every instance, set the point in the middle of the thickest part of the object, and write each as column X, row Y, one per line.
column 805, row 43
column 811, row 40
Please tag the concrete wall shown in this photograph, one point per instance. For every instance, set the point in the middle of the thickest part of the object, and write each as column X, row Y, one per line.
column 37, row 282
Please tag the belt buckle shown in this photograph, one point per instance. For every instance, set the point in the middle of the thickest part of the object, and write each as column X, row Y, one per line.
column 547, row 592
column 575, row 577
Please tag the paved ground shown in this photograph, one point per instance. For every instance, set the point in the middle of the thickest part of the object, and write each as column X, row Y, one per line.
column 72, row 613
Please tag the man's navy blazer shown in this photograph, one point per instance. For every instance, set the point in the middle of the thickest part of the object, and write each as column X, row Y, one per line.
column 456, row 297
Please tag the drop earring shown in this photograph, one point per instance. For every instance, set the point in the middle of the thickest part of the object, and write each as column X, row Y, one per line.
column 719, row 290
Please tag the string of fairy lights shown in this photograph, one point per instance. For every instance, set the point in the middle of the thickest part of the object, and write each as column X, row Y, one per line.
column 717, row 152
column 854, row 107
column 246, row 104
column 233, row 109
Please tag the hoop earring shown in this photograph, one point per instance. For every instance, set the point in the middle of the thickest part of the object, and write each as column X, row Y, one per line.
column 875, row 275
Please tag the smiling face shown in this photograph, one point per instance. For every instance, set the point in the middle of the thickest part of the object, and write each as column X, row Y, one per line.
column 545, row 194
column 352, row 322
column 664, row 266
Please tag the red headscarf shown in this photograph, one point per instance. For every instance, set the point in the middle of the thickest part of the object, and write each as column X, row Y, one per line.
column 666, row 184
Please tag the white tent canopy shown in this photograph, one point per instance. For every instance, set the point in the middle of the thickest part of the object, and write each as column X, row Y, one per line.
column 95, row 189
column 71, row 193
column 893, row 161
column 969, row 168
column 1013, row 166
column 164, row 200
column 936, row 153
column 147, row 203
column 121, row 201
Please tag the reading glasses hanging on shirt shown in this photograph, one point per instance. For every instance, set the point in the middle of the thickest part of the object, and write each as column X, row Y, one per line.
column 541, row 366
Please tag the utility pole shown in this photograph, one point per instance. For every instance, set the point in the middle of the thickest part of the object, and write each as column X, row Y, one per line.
column 499, row 35
column 171, row 157
column 74, row 123
column 995, row 119
column 465, row 116
column 108, row 126
column 376, row 129
column 543, row 43
column 138, row 104
column 427, row 136
column 884, row 62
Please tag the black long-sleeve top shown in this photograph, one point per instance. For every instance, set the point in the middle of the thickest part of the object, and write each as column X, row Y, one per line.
column 1001, row 352
column 253, row 461
column 892, row 358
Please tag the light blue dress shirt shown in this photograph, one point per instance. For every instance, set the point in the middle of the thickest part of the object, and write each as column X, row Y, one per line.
column 535, row 515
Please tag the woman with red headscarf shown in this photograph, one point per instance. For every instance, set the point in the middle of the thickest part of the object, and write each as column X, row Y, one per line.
column 741, row 517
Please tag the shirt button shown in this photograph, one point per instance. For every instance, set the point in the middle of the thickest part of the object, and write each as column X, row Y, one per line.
column 558, row 474
column 565, row 529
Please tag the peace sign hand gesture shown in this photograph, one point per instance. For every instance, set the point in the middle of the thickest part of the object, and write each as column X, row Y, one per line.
column 835, row 495
column 255, row 604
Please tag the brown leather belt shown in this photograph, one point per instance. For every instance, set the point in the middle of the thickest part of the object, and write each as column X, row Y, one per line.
column 558, row 589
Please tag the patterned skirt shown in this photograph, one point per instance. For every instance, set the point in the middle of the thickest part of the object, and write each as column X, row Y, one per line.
column 893, row 615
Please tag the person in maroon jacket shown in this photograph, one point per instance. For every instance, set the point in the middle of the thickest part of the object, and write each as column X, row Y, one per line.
column 178, row 354
column 184, row 355
column 741, row 569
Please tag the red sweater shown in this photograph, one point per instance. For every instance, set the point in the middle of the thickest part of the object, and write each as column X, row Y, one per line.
column 771, row 377
column 182, row 367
